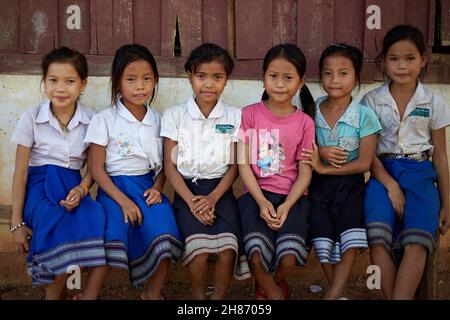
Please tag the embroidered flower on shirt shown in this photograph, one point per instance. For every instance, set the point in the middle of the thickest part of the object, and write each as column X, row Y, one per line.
column 124, row 147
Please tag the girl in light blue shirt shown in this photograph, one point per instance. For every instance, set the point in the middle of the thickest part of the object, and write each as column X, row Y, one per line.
column 346, row 138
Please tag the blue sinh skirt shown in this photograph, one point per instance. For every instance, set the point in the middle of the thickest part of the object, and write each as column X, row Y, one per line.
column 139, row 249
column 421, row 212
column 61, row 239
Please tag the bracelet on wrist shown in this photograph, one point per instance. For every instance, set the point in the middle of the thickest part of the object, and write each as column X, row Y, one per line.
column 13, row 229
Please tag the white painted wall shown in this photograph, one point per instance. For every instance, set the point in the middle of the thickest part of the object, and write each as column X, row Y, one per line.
column 17, row 93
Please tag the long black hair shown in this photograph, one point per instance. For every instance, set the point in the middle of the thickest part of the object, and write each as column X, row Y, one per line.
column 352, row 53
column 206, row 53
column 294, row 55
column 404, row 32
column 124, row 56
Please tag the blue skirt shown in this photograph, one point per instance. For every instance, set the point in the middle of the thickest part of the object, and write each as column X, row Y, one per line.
column 421, row 212
column 139, row 249
column 61, row 239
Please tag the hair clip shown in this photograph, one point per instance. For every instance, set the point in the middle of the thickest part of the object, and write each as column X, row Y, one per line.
column 338, row 45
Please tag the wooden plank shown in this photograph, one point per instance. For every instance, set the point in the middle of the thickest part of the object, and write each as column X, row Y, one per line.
column 392, row 14
column 102, row 20
column 432, row 22
column 284, row 21
column 445, row 22
column 9, row 26
column 417, row 14
column 315, row 31
column 190, row 23
column 215, row 22
column 349, row 22
column 147, row 24
column 168, row 27
column 112, row 25
column 38, row 25
column 74, row 27
column 253, row 28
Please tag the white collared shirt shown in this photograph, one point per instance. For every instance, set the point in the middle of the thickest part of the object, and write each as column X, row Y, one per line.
column 204, row 144
column 39, row 130
column 424, row 113
column 132, row 148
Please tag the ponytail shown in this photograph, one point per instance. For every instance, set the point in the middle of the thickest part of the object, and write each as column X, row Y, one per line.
column 307, row 101
column 265, row 96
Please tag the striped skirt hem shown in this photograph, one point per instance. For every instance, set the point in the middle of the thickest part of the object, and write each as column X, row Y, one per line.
column 271, row 255
column 329, row 251
column 45, row 266
column 213, row 244
column 143, row 268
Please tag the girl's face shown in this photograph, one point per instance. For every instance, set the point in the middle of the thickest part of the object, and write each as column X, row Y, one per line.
column 338, row 76
column 403, row 62
column 137, row 83
column 282, row 81
column 63, row 85
column 208, row 82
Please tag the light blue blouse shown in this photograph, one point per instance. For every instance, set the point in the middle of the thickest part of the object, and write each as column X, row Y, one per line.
column 357, row 122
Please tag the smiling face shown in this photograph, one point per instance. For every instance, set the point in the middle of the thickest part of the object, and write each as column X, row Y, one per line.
column 208, row 83
column 63, row 85
column 403, row 62
column 338, row 76
column 282, row 81
column 137, row 83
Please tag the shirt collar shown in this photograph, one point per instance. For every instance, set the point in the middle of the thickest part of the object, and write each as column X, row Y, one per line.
column 350, row 117
column 127, row 115
column 79, row 116
column 421, row 95
column 195, row 113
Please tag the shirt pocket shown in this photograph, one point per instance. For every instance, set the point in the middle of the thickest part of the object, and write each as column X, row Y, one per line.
column 349, row 143
column 420, row 119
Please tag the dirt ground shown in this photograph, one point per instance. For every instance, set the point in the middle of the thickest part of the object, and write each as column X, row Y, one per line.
column 15, row 284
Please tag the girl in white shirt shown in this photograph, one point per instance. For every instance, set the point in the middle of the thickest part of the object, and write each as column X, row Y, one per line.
column 200, row 138
column 53, row 215
column 141, row 233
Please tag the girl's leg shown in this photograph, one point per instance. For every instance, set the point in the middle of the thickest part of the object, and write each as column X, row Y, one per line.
column 328, row 270
column 55, row 291
column 381, row 257
column 198, row 269
column 265, row 280
column 223, row 273
column 287, row 264
column 341, row 273
column 410, row 272
column 156, row 283
column 94, row 282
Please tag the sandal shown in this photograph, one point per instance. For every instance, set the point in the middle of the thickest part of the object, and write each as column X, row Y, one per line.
column 258, row 293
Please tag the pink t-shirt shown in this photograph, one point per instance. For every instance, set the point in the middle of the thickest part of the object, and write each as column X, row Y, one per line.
column 276, row 145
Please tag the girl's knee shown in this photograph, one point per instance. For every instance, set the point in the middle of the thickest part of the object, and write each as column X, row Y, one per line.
column 255, row 259
column 228, row 255
column 200, row 259
column 415, row 250
column 288, row 261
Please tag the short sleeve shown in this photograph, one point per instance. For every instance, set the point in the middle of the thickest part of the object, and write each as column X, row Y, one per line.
column 369, row 123
column 23, row 133
column 246, row 126
column 169, row 125
column 440, row 117
column 97, row 131
column 237, row 125
column 308, row 136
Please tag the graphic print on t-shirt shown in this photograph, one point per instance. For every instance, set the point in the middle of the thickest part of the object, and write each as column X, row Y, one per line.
column 270, row 154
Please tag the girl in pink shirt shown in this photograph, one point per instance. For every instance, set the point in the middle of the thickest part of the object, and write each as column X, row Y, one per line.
column 274, row 211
